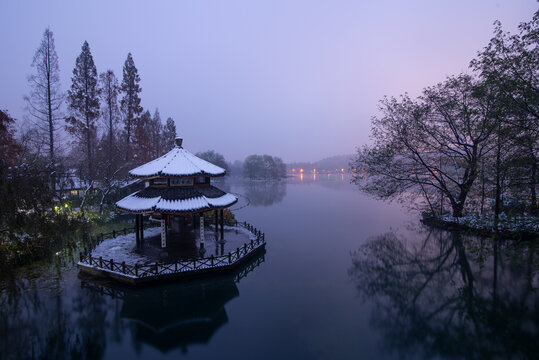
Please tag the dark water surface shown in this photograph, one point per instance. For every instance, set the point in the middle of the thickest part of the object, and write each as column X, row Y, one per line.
column 343, row 277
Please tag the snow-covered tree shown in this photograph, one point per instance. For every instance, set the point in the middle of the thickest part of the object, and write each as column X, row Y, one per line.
column 169, row 135
column 156, row 129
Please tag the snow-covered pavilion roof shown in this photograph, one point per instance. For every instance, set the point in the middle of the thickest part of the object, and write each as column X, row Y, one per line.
column 177, row 162
column 176, row 200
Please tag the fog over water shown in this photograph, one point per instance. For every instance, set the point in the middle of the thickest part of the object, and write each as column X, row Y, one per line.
column 295, row 79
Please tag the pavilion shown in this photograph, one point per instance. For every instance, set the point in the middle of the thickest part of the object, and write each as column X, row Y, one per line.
column 177, row 190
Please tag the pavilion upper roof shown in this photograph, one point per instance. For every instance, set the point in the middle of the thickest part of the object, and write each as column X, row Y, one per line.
column 177, row 162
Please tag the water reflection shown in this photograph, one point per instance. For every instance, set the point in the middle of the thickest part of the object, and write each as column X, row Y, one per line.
column 39, row 320
column 55, row 318
column 265, row 193
column 449, row 295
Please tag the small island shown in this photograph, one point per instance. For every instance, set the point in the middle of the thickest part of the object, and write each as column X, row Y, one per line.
column 177, row 195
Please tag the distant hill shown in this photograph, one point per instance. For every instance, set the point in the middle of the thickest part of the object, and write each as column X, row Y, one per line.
column 330, row 163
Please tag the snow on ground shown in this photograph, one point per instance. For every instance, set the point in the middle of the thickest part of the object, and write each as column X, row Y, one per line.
column 506, row 223
column 122, row 248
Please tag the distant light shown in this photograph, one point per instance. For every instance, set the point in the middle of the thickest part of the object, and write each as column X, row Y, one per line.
column 342, row 170
column 301, row 170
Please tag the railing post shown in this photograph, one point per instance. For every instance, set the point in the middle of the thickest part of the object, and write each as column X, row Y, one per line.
column 229, row 257
column 136, row 270
column 194, row 264
column 111, row 265
column 211, row 260
column 176, row 266
column 123, row 267
column 90, row 259
column 100, row 261
column 156, row 268
column 80, row 256
column 113, row 234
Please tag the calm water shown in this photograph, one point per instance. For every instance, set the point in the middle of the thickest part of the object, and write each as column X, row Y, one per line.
column 343, row 277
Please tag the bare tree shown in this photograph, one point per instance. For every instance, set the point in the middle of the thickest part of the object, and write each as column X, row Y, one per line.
column 110, row 112
column 510, row 65
column 432, row 145
column 45, row 98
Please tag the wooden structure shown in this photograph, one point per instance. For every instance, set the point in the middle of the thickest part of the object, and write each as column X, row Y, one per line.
column 178, row 193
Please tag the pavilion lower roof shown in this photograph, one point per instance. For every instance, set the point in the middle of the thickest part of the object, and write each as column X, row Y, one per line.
column 176, row 200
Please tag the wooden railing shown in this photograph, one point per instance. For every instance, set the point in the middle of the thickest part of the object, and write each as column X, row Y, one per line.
column 177, row 267
column 119, row 293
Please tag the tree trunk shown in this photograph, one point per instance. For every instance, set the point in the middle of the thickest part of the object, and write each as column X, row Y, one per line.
column 497, row 204
column 89, row 149
column 533, row 183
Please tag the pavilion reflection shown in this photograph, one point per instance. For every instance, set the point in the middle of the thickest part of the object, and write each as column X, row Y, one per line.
column 446, row 295
column 177, row 315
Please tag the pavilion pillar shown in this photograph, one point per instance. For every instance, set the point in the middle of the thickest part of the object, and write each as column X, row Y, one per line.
column 137, row 238
column 141, row 229
column 222, row 224
column 216, row 222
column 163, row 233
column 202, row 230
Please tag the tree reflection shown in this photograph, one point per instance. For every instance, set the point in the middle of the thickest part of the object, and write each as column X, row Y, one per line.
column 52, row 317
column 265, row 193
column 449, row 295
column 39, row 319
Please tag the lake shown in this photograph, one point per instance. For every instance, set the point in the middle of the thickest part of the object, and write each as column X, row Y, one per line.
column 343, row 277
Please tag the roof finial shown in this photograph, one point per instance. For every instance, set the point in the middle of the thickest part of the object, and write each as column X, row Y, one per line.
column 179, row 142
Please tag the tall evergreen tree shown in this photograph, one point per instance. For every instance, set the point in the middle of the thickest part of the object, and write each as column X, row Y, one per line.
column 111, row 114
column 169, row 134
column 83, row 100
column 45, row 98
column 130, row 102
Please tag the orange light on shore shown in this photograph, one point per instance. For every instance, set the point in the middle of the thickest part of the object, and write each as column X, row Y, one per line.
column 342, row 170
column 300, row 170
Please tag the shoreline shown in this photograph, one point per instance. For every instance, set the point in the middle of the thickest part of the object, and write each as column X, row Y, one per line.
column 437, row 222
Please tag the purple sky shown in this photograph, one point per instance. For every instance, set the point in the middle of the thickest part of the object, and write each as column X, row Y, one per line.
column 295, row 79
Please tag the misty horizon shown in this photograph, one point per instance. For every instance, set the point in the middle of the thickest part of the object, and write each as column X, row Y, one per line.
column 296, row 80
